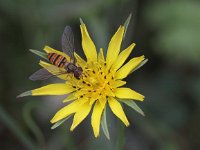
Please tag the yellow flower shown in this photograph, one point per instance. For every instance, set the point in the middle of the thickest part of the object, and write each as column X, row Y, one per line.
column 100, row 84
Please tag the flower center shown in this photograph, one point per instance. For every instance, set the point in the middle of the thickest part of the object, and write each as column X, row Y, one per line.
column 95, row 81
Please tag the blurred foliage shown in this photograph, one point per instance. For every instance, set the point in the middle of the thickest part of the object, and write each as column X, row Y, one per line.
column 165, row 31
column 176, row 26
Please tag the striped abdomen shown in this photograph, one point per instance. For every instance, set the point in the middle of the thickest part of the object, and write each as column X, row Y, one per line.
column 57, row 60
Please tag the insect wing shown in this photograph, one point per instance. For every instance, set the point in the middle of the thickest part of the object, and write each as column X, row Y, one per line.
column 68, row 42
column 41, row 74
column 46, row 73
column 55, row 70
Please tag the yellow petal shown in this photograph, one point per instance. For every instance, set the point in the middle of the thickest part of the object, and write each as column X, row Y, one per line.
column 101, row 58
column 66, row 111
column 80, row 93
column 128, row 67
column 94, row 96
column 48, row 49
column 122, row 57
column 114, row 47
column 108, row 91
column 118, row 83
column 80, row 115
column 127, row 93
column 101, row 55
column 118, row 110
column 96, row 116
column 80, row 61
column 88, row 45
column 53, row 89
column 69, row 97
column 59, row 72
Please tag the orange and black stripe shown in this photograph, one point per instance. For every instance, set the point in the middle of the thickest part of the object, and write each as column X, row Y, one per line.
column 57, row 60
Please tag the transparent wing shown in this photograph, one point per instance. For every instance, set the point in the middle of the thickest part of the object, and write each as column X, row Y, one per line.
column 68, row 42
column 43, row 74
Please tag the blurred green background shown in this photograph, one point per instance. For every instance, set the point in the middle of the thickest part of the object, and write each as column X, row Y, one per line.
column 165, row 31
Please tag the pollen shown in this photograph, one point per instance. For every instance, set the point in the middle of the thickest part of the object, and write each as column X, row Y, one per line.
column 95, row 82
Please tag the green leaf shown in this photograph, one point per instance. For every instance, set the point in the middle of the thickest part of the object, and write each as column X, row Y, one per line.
column 104, row 125
column 27, row 93
column 140, row 65
column 126, row 24
column 59, row 123
column 133, row 105
column 39, row 53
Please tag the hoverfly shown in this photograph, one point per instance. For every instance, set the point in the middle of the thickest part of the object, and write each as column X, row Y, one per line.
column 60, row 61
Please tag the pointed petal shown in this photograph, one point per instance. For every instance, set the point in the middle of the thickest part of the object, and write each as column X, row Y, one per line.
column 66, row 111
column 122, row 57
column 118, row 83
column 80, row 61
column 133, row 105
column 127, row 93
column 128, row 67
column 80, row 115
column 80, row 93
column 126, row 23
column 114, row 46
column 118, row 110
column 57, row 124
column 108, row 91
column 140, row 65
column 27, row 93
column 55, row 70
column 46, row 65
column 48, row 49
column 96, row 116
column 69, row 97
column 39, row 53
column 88, row 45
column 53, row 89
column 101, row 56
column 104, row 125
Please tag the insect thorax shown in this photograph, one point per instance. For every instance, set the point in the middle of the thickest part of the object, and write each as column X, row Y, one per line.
column 71, row 67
